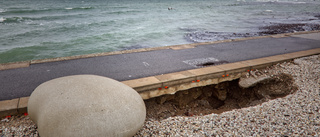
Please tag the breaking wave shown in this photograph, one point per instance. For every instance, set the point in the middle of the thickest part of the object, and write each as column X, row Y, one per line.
column 36, row 11
column 2, row 19
column 79, row 8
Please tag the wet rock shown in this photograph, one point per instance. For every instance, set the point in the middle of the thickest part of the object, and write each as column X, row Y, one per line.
column 287, row 28
column 205, row 36
column 194, row 35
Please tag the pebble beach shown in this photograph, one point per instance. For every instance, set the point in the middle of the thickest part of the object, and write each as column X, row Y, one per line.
column 297, row 114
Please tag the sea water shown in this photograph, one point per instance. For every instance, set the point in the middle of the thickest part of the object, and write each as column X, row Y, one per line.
column 38, row 29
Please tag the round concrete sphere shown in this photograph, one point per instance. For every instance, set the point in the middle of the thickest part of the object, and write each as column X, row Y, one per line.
column 86, row 105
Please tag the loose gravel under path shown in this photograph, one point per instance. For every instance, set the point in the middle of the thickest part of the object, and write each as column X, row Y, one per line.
column 297, row 114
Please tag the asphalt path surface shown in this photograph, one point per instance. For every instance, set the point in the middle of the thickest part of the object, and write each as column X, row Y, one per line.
column 21, row 82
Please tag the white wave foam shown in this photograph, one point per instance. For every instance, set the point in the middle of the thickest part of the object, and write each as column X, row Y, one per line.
column 69, row 8
column 85, row 7
column 280, row 1
column 2, row 10
column 2, row 19
column 293, row 2
column 267, row 0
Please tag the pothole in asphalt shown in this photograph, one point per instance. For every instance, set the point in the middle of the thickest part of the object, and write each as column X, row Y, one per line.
column 219, row 98
column 205, row 62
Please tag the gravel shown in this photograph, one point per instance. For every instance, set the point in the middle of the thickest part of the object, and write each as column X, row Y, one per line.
column 297, row 114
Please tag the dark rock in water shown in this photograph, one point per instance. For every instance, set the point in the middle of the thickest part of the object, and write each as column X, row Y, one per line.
column 206, row 36
column 288, row 28
column 317, row 16
column 215, row 36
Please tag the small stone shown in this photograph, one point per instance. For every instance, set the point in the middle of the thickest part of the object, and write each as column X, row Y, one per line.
column 251, row 81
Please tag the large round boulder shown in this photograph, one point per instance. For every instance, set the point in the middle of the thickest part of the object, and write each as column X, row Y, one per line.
column 86, row 105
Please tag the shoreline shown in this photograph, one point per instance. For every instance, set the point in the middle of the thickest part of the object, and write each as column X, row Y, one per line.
column 47, row 35
column 21, row 64
column 200, row 38
column 272, row 29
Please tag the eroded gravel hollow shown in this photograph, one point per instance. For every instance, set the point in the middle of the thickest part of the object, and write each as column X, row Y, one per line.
column 285, row 105
column 297, row 114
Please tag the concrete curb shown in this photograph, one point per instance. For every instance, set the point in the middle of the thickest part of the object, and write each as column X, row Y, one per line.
column 173, row 82
column 14, row 65
column 154, row 86
column 13, row 107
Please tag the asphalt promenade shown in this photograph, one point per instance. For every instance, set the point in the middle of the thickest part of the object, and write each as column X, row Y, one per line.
column 20, row 82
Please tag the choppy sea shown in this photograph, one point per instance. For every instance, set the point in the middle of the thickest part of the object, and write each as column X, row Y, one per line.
column 38, row 29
